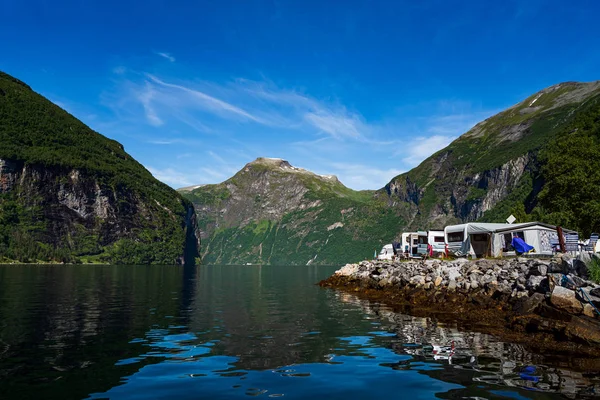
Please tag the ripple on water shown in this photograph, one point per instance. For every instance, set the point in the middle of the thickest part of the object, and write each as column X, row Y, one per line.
column 259, row 332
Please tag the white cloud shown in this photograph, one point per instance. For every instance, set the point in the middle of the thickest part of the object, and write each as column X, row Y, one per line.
column 241, row 120
column 360, row 176
column 145, row 97
column 336, row 125
column 167, row 56
column 171, row 177
column 206, row 101
column 419, row 148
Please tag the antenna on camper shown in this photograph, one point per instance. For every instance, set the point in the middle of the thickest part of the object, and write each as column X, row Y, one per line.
column 511, row 219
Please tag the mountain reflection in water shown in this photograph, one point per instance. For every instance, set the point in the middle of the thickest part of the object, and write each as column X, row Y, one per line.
column 238, row 331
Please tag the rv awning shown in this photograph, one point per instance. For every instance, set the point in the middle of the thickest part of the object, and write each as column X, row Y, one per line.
column 474, row 228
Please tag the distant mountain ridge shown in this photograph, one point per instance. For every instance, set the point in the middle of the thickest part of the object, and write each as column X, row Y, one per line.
column 537, row 160
column 271, row 212
column 69, row 194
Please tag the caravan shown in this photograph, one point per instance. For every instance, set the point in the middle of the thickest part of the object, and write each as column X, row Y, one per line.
column 477, row 239
column 437, row 240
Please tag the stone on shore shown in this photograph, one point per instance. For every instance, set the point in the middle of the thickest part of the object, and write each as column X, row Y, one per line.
column 566, row 299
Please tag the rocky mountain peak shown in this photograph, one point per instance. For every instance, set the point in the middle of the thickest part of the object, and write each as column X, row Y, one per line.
column 281, row 165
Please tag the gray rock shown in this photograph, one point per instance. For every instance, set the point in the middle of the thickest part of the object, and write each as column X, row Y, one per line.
column 452, row 285
column 530, row 304
column 555, row 267
column 533, row 283
column 537, row 270
column 565, row 299
column 580, row 267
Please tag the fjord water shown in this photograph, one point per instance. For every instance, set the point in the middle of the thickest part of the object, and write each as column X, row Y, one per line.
column 221, row 332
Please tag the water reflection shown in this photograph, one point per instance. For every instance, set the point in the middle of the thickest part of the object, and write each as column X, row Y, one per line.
column 474, row 360
column 228, row 332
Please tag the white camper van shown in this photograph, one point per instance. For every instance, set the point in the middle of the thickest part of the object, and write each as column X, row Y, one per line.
column 386, row 253
column 413, row 243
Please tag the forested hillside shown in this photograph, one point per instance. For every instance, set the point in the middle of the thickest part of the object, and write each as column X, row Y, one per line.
column 68, row 193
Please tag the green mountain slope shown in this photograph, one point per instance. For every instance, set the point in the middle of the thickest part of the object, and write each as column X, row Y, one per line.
column 68, row 193
column 505, row 164
column 273, row 213
column 538, row 160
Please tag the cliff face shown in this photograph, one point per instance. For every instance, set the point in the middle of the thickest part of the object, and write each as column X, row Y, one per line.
column 455, row 196
column 58, row 202
column 494, row 169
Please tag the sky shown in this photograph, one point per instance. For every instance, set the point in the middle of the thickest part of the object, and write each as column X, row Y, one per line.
column 364, row 90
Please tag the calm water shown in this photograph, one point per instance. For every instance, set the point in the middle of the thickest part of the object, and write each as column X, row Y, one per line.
column 221, row 332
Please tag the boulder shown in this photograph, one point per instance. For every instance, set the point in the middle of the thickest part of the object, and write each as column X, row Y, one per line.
column 580, row 268
column 589, row 311
column 537, row 270
column 417, row 280
column 566, row 299
column 453, row 273
column 595, row 291
column 437, row 281
column 452, row 285
column 534, row 281
column 588, row 297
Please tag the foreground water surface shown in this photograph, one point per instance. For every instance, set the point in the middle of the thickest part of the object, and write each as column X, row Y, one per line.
column 226, row 332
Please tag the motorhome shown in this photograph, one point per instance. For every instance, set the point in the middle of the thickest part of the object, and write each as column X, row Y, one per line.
column 414, row 244
column 386, row 253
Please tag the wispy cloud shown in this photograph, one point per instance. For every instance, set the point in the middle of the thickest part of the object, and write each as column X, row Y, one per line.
column 419, row 148
column 171, row 177
column 166, row 55
column 242, row 119
column 206, row 106
column 205, row 101
column 361, row 176
column 145, row 97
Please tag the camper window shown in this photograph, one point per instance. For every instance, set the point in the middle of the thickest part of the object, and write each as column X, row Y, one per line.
column 438, row 239
column 422, row 239
column 456, row 236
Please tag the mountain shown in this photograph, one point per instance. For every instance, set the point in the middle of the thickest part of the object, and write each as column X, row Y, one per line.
column 70, row 194
column 273, row 213
column 538, row 160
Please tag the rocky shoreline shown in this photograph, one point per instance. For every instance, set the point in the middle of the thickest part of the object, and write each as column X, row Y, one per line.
column 541, row 303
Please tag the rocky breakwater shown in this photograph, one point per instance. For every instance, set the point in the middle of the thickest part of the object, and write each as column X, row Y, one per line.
column 547, row 304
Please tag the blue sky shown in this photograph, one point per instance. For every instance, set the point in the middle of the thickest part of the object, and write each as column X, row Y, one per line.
column 364, row 90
